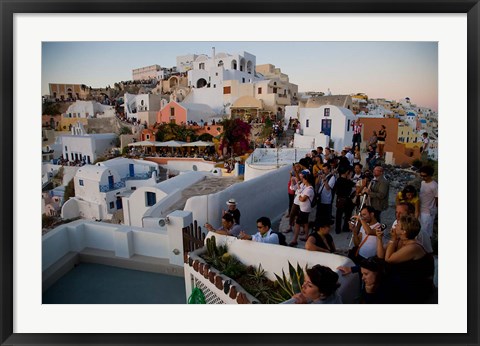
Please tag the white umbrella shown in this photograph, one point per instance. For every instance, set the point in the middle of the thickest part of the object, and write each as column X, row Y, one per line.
column 198, row 144
column 142, row 144
column 173, row 144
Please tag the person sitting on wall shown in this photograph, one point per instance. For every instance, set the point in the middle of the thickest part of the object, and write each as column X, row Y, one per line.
column 321, row 240
column 264, row 235
column 232, row 209
column 319, row 287
column 229, row 227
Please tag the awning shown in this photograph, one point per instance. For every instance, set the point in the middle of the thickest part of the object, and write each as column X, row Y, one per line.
column 198, row 144
column 171, row 144
column 142, row 144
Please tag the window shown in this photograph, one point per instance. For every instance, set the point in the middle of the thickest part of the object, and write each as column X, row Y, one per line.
column 66, row 149
column 326, row 112
column 227, row 90
column 274, row 90
column 112, row 205
column 172, row 111
column 134, row 188
column 259, row 90
column 80, row 182
column 348, row 125
column 201, row 66
column 214, row 85
column 216, row 74
column 148, row 137
column 307, row 124
column 150, row 198
column 243, row 80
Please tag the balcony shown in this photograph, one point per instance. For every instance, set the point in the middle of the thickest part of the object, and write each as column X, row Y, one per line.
column 138, row 176
column 115, row 186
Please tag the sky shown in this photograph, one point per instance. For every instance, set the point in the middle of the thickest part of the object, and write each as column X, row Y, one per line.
column 391, row 70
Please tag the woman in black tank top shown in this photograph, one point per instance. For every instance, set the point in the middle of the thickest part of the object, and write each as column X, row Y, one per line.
column 411, row 268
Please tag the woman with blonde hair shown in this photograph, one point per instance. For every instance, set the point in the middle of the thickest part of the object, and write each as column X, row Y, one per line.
column 411, row 268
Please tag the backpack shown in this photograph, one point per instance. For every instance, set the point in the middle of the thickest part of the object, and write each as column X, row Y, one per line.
column 282, row 240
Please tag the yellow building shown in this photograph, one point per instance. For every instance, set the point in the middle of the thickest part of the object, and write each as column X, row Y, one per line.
column 407, row 135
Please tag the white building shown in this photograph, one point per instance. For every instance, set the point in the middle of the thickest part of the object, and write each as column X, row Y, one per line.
column 143, row 107
column 291, row 112
column 185, row 62
column 86, row 147
column 220, row 67
column 89, row 109
column 208, row 78
column 325, row 121
column 98, row 187
column 148, row 72
column 411, row 119
column 146, row 205
column 265, row 160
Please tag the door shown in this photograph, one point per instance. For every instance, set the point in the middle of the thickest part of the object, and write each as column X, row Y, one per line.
column 327, row 127
column 131, row 169
column 119, row 203
column 110, row 182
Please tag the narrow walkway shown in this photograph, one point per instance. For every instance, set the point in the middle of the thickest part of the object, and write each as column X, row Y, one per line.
column 205, row 187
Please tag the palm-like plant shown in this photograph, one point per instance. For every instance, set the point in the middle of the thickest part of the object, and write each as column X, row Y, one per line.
column 291, row 285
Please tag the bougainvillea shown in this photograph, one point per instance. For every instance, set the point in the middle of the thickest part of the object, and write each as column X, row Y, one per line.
column 235, row 131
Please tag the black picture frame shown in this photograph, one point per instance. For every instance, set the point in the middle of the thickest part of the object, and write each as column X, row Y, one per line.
column 10, row 7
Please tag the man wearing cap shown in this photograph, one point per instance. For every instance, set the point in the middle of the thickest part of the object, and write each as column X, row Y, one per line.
column 232, row 209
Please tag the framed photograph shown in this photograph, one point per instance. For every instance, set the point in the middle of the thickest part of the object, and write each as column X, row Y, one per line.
column 452, row 25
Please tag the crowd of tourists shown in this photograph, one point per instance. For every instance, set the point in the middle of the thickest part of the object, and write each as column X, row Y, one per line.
column 395, row 261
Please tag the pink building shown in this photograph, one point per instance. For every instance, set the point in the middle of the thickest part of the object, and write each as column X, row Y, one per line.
column 181, row 113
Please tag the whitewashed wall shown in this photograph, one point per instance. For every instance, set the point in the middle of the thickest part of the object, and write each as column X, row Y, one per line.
column 341, row 134
column 124, row 241
column 275, row 258
column 291, row 112
column 188, row 165
column 168, row 192
column 312, row 142
column 266, row 195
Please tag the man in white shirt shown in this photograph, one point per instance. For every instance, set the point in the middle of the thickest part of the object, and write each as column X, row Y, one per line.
column 425, row 145
column 428, row 199
column 364, row 234
column 265, row 233
column 349, row 155
column 324, row 193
